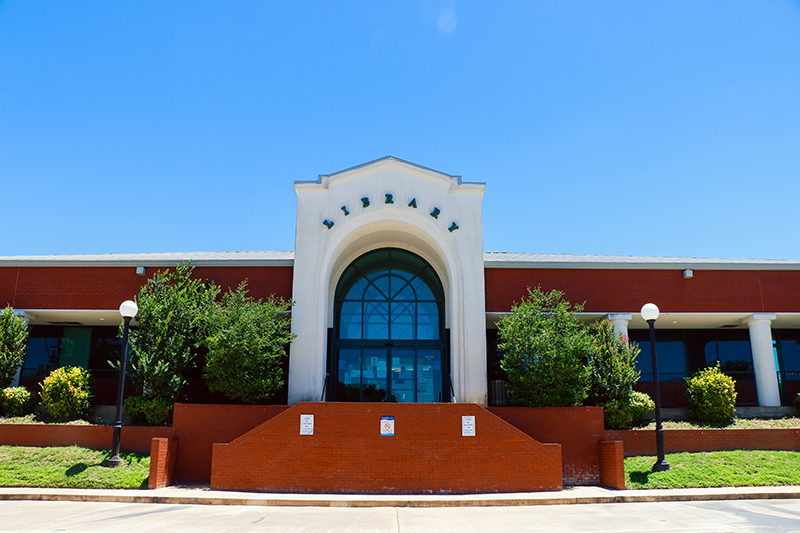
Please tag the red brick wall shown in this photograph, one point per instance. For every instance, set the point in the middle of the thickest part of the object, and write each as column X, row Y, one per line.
column 603, row 290
column 107, row 287
column 347, row 454
column 612, row 464
column 163, row 454
column 709, row 291
column 638, row 442
column 132, row 439
column 199, row 426
column 577, row 429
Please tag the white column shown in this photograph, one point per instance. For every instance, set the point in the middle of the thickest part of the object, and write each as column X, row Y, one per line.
column 620, row 324
column 15, row 381
column 763, row 358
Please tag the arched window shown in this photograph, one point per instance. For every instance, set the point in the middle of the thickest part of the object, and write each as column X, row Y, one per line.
column 389, row 342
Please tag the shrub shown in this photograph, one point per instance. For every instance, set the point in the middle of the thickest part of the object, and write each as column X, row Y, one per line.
column 13, row 345
column 546, row 350
column 152, row 411
column 612, row 366
column 246, row 346
column 134, row 407
column 67, row 393
column 797, row 401
column 623, row 414
column 712, row 395
column 171, row 311
column 158, row 412
column 15, row 401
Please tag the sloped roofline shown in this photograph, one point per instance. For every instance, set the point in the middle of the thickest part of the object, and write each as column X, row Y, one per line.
column 327, row 177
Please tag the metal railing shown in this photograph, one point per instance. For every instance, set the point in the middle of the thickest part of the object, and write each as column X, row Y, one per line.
column 789, row 385
column 41, row 372
column 673, row 387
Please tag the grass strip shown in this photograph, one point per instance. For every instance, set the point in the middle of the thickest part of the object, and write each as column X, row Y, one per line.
column 737, row 468
column 70, row 467
column 736, row 423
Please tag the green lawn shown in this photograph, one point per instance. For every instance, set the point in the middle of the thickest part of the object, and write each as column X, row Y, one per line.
column 70, row 466
column 739, row 468
column 41, row 418
column 792, row 422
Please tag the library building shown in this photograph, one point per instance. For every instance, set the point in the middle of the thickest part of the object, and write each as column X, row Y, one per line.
column 397, row 301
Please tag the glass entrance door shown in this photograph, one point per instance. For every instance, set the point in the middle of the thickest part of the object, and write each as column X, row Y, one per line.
column 388, row 338
column 403, row 385
column 398, row 374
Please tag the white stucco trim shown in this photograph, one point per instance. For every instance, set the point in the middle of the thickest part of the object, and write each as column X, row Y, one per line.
column 322, row 252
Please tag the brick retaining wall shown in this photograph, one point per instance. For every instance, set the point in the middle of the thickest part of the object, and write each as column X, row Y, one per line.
column 427, row 453
column 132, row 439
column 643, row 442
column 577, row 429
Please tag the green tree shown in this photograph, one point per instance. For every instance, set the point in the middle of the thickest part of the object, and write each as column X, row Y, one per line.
column 612, row 365
column 546, row 351
column 613, row 375
column 246, row 343
column 172, row 307
column 13, row 345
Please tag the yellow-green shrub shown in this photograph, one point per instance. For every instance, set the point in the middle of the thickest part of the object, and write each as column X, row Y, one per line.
column 712, row 395
column 67, row 393
column 15, row 401
column 623, row 414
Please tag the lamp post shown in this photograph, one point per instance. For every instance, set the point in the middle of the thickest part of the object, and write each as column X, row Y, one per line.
column 128, row 310
column 650, row 314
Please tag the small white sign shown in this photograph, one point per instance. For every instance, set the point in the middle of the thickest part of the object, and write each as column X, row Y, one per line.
column 467, row 426
column 306, row 424
column 387, row 426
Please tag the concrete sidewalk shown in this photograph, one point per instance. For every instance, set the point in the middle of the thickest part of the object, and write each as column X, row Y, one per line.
column 201, row 495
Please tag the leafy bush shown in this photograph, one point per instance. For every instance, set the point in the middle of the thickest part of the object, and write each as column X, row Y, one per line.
column 15, row 401
column 712, row 395
column 134, row 407
column 546, row 350
column 152, row 411
column 67, row 393
column 612, row 366
column 158, row 412
column 171, row 311
column 622, row 414
column 13, row 345
column 797, row 401
column 246, row 345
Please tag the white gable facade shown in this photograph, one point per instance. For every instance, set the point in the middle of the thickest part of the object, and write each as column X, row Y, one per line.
column 388, row 203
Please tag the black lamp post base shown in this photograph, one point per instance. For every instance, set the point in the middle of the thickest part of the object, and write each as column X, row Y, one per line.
column 113, row 462
column 661, row 466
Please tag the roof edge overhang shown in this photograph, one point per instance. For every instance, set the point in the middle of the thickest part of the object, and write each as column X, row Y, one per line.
column 596, row 262
column 676, row 320
column 491, row 260
column 157, row 260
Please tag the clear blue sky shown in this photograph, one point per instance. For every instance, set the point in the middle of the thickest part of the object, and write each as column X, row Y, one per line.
column 182, row 126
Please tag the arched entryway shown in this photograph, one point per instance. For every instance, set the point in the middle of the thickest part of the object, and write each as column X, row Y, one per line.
column 389, row 341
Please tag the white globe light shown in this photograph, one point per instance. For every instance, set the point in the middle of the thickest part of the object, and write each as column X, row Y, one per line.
column 649, row 312
column 128, row 309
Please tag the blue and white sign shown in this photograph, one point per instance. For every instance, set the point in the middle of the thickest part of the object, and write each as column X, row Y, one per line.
column 387, row 426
